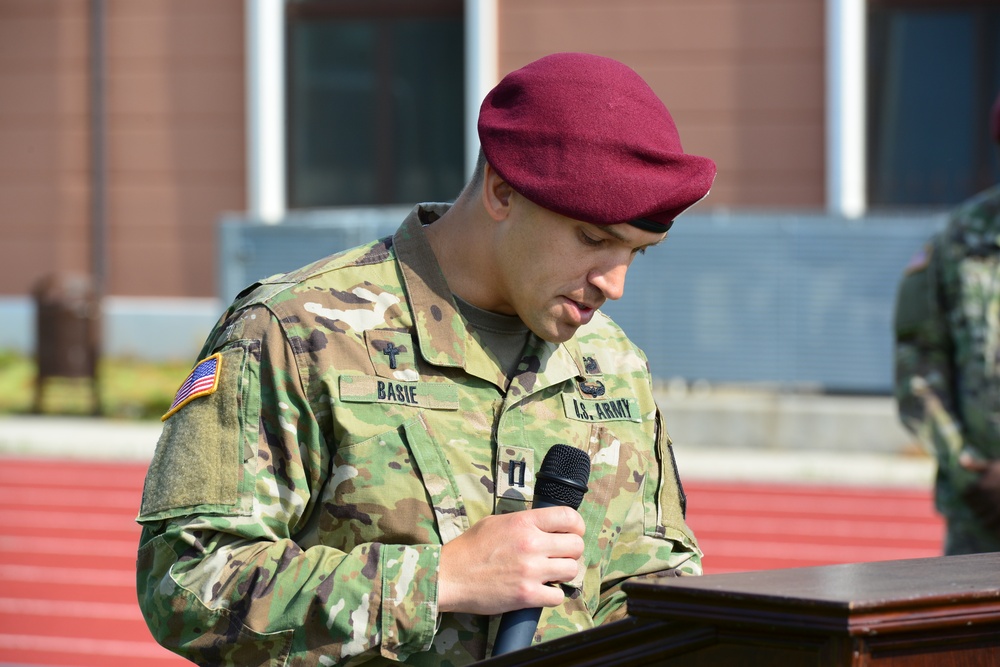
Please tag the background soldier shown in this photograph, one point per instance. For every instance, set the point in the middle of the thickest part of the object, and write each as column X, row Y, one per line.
column 347, row 474
column 948, row 365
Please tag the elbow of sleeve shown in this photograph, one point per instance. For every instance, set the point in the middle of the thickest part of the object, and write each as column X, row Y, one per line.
column 166, row 613
column 181, row 623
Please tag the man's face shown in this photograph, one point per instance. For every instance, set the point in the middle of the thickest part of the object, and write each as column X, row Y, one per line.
column 555, row 272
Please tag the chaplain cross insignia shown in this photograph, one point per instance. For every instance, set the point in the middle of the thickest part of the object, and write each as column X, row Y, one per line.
column 391, row 351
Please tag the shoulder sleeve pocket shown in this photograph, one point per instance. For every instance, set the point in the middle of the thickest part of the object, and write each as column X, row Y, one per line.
column 917, row 313
column 198, row 463
column 666, row 503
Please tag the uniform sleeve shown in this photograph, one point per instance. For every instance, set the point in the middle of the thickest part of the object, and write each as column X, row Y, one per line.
column 924, row 370
column 656, row 541
column 237, row 474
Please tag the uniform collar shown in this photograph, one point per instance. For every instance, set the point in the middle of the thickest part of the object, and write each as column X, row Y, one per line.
column 441, row 329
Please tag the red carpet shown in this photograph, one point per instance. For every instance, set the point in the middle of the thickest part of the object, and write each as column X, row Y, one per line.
column 68, row 540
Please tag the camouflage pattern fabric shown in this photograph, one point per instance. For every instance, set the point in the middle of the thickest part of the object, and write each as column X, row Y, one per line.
column 947, row 326
column 295, row 515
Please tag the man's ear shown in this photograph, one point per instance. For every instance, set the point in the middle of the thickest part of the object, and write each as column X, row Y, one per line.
column 496, row 194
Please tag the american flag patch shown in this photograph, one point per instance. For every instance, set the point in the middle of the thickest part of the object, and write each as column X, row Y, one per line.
column 919, row 261
column 202, row 381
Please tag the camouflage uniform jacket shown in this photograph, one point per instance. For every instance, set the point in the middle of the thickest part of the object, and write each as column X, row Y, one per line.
column 294, row 514
column 947, row 326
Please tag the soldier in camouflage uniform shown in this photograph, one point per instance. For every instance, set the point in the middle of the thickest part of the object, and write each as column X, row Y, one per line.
column 347, row 475
column 947, row 326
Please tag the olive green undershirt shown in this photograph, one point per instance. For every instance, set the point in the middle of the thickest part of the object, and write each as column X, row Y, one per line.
column 503, row 336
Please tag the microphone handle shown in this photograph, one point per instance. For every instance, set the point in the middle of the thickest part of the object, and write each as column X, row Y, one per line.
column 517, row 627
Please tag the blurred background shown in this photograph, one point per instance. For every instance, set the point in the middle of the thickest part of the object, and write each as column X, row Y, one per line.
column 173, row 151
column 156, row 156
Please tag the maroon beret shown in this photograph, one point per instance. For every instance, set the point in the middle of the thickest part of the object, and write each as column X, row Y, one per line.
column 995, row 121
column 586, row 137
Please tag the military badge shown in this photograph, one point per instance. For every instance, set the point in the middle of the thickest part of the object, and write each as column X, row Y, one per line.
column 592, row 388
column 391, row 354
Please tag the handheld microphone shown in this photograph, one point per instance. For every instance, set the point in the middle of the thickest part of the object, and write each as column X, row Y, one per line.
column 561, row 481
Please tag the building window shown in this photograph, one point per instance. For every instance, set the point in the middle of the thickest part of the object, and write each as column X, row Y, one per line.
column 375, row 94
column 934, row 71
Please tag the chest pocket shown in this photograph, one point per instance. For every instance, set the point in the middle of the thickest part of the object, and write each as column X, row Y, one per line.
column 395, row 487
column 979, row 304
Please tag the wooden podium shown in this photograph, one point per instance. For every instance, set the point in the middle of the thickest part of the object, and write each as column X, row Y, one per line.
column 928, row 612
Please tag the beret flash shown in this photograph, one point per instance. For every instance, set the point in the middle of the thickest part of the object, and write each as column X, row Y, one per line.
column 586, row 137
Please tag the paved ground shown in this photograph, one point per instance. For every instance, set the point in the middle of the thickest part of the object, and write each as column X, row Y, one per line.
column 725, row 435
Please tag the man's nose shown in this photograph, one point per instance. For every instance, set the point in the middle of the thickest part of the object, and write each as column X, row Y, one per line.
column 610, row 280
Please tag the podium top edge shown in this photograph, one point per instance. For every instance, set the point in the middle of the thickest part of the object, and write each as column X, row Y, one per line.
column 862, row 598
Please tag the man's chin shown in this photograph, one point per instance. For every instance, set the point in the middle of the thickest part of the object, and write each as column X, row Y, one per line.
column 557, row 333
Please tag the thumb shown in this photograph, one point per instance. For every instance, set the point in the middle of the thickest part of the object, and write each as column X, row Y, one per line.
column 972, row 463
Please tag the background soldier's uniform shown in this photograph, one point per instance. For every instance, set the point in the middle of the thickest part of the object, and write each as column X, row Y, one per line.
column 948, row 358
column 294, row 513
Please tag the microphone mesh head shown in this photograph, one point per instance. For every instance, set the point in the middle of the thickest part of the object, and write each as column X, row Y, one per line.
column 563, row 475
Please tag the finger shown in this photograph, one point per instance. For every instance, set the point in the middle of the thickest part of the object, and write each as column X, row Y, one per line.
column 557, row 520
column 550, row 596
column 556, row 599
column 971, row 463
column 540, row 547
column 559, row 571
column 565, row 570
column 564, row 545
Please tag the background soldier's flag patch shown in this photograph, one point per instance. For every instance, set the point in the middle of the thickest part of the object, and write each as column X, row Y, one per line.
column 920, row 260
column 202, row 381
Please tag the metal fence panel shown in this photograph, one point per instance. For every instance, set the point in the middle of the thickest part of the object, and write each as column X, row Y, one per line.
column 792, row 300
column 249, row 251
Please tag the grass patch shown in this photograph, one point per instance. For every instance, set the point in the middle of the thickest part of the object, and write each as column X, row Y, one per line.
column 128, row 388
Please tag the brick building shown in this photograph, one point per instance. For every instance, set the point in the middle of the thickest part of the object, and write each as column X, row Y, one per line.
column 128, row 127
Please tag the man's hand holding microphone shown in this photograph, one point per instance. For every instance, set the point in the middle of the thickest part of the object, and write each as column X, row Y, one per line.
column 505, row 564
